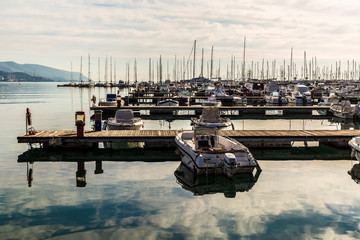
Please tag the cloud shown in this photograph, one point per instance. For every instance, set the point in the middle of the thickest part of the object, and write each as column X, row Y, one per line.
column 127, row 29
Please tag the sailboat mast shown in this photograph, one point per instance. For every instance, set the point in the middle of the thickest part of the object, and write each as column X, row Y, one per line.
column 89, row 69
column 202, row 62
column 243, row 64
column 149, row 70
column 80, row 77
column 71, row 72
column 160, row 71
column 194, row 59
column 211, row 62
column 99, row 68
column 290, row 69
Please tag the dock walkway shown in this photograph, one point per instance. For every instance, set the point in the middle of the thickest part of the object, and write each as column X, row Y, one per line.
column 165, row 138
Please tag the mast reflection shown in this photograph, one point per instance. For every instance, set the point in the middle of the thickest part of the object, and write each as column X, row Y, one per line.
column 210, row 184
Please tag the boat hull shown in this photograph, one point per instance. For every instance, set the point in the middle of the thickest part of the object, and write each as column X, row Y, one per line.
column 213, row 163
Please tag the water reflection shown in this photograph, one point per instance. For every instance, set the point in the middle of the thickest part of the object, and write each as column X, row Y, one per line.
column 354, row 172
column 211, row 184
column 345, row 124
column 81, row 158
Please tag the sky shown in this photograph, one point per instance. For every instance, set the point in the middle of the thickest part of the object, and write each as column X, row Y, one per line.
column 58, row 33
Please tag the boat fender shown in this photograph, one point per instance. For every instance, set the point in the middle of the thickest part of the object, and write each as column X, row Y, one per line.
column 105, row 125
column 93, row 99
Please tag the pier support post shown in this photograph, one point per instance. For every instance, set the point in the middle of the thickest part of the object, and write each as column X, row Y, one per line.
column 98, row 120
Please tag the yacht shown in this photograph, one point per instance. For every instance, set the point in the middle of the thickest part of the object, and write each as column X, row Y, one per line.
column 165, row 103
column 301, row 95
column 124, row 120
column 210, row 117
column 111, row 100
column 342, row 109
column 206, row 151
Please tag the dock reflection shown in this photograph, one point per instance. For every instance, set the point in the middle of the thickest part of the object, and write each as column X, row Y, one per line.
column 211, row 184
column 36, row 156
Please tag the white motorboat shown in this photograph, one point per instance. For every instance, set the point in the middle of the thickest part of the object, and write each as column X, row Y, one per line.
column 354, row 143
column 342, row 109
column 210, row 117
column 165, row 103
column 276, row 98
column 124, row 120
column 205, row 151
column 111, row 100
column 301, row 95
column 211, row 102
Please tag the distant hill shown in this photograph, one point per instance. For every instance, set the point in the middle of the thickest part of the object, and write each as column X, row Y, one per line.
column 43, row 72
column 21, row 77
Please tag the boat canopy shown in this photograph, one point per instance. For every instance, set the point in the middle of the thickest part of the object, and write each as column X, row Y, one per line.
column 210, row 115
column 124, row 114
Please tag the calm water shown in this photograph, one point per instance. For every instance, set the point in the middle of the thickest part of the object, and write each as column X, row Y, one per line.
column 138, row 200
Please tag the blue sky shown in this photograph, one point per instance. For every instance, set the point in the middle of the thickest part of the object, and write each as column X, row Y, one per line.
column 58, row 33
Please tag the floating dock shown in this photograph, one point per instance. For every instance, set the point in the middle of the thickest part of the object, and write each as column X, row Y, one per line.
column 229, row 110
column 165, row 138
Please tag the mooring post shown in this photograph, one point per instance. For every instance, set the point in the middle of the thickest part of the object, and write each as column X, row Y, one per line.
column 98, row 120
column 80, row 123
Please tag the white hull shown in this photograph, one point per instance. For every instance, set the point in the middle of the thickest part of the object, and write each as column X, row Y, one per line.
column 213, row 160
column 354, row 143
column 121, row 126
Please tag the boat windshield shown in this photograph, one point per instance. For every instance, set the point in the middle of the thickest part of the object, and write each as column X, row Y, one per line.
column 302, row 89
column 275, row 94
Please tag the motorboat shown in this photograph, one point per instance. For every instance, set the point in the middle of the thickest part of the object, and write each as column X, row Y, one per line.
column 111, row 100
column 327, row 101
column 210, row 117
column 209, row 184
column 354, row 143
column 342, row 109
column 221, row 95
column 205, row 151
column 124, row 120
column 301, row 95
column 165, row 103
column 211, row 102
column 276, row 98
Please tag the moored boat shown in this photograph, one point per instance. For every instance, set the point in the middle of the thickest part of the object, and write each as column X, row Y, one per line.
column 205, row 151
column 210, row 117
column 342, row 109
column 165, row 103
column 124, row 120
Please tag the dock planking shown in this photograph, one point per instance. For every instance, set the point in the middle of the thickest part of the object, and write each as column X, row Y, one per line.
column 165, row 138
column 225, row 108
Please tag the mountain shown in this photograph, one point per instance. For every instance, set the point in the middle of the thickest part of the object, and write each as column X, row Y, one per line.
column 35, row 70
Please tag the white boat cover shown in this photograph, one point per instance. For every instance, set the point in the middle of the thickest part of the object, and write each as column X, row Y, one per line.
column 210, row 115
column 124, row 114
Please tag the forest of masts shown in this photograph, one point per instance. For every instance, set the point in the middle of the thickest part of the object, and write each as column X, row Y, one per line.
column 178, row 69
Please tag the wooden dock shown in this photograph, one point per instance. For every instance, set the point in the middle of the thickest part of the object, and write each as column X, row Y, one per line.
column 165, row 138
column 226, row 110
